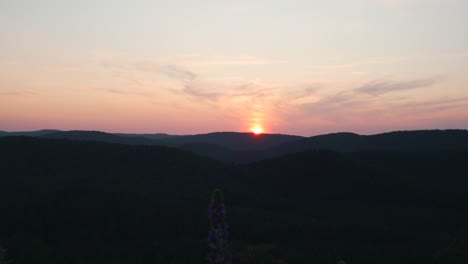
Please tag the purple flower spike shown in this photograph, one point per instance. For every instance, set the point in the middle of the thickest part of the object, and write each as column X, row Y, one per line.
column 218, row 240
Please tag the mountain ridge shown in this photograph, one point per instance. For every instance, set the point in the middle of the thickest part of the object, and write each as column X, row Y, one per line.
column 247, row 147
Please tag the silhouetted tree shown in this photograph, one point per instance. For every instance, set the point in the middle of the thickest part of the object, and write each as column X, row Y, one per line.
column 218, row 235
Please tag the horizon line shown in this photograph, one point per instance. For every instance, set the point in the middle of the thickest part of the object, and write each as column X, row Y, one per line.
column 238, row 132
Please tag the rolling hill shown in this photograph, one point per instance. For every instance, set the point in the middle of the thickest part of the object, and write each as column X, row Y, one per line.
column 247, row 147
column 36, row 133
column 419, row 141
column 115, row 203
column 100, row 137
column 233, row 140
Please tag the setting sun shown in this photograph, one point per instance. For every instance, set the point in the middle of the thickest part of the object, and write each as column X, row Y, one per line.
column 257, row 130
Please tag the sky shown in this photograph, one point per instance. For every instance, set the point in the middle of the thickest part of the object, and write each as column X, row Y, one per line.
column 187, row 67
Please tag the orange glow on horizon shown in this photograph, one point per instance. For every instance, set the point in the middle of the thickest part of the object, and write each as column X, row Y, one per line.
column 257, row 130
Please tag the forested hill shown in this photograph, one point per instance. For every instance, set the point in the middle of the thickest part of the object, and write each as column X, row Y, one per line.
column 70, row 164
column 65, row 201
column 247, row 147
column 100, row 137
column 414, row 141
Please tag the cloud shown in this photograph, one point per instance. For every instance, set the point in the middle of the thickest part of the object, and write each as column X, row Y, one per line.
column 382, row 87
column 127, row 92
column 188, row 82
column 246, row 95
column 19, row 93
column 437, row 105
column 363, row 100
column 336, row 106
column 200, row 93
column 171, row 71
column 222, row 61
column 327, row 105
column 128, row 65
column 355, row 110
column 128, row 78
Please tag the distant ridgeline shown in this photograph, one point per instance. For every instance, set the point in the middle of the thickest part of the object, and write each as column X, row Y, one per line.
column 392, row 198
column 247, row 147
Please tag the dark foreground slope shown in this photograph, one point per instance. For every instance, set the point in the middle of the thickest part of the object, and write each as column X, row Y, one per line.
column 88, row 202
column 84, row 202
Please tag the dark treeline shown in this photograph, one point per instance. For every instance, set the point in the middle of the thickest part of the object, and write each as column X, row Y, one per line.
column 88, row 202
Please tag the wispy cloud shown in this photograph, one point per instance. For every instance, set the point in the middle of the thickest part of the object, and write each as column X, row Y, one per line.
column 363, row 99
column 336, row 107
column 364, row 62
column 435, row 105
column 214, row 61
column 200, row 92
column 351, row 109
column 203, row 60
column 189, row 82
column 128, row 92
column 18, row 93
column 371, row 62
column 172, row 71
column 385, row 86
column 330, row 105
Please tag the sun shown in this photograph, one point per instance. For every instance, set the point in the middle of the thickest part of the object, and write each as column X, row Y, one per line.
column 257, row 130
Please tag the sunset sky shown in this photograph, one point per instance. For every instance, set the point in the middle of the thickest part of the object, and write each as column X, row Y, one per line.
column 183, row 67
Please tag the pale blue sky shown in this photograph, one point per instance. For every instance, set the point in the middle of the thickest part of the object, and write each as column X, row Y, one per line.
column 301, row 67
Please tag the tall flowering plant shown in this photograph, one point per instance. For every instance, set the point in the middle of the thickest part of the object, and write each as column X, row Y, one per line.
column 219, row 250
